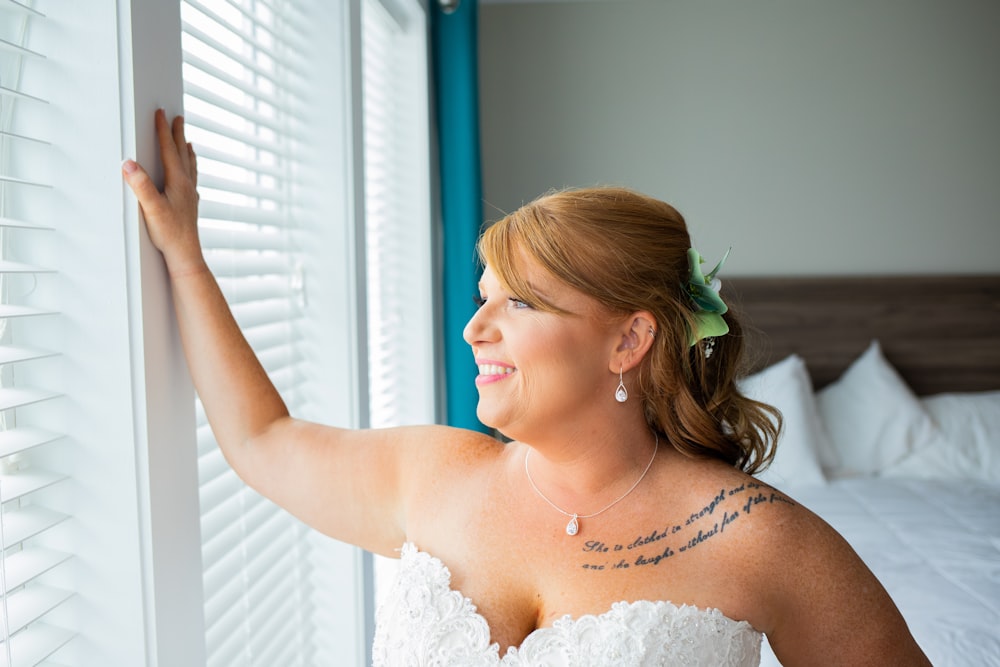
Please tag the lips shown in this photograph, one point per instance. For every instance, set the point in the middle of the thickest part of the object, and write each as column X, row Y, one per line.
column 492, row 371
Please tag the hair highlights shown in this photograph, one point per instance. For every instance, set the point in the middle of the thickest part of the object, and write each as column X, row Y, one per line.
column 630, row 252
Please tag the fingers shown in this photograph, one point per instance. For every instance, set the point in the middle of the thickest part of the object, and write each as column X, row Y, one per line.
column 173, row 146
column 183, row 147
column 168, row 150
column 179, row 166
column 142, row 185
column 194, row 165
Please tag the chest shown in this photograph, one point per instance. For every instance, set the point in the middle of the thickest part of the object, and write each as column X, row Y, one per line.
column 526, row 573
column 508, row 552
column 425, row 617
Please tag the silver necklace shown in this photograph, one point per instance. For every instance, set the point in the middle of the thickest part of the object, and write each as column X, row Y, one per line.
column 573, row 527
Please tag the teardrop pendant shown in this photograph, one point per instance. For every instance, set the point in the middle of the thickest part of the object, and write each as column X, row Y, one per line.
column 573, row 527
column 621, row 393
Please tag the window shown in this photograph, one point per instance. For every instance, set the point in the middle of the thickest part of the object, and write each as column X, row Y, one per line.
column 247, row 78
column 32, row 525
column 98, row 472
column 65, row 294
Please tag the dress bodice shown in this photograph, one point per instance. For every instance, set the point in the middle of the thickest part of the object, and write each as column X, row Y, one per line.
column 422, row 621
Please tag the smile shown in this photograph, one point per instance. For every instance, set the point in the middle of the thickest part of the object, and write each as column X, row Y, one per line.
column 491, row 372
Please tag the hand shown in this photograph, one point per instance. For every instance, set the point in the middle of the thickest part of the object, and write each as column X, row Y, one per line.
column 171, row 215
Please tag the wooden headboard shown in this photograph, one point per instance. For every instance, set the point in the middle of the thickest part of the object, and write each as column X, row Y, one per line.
column 942, row 333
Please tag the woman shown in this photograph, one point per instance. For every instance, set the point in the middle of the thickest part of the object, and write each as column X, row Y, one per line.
column 620, row 526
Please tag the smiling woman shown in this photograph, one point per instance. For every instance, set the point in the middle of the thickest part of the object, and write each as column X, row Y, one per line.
column 538, row 348
column 583, row 293
column 559, row 245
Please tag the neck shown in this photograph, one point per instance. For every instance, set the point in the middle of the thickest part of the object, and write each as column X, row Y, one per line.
column 582, row 475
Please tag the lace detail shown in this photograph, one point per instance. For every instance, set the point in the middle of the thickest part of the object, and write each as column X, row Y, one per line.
column 423, row 622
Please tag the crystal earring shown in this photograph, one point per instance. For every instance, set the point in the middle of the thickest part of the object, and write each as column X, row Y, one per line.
column 621, row 394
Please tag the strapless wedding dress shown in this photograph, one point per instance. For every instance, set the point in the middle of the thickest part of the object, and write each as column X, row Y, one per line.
column 422, row 621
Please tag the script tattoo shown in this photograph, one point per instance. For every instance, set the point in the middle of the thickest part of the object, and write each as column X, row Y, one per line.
column 709, row 521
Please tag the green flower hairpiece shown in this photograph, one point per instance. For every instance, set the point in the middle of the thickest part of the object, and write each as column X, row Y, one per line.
column 704, row 292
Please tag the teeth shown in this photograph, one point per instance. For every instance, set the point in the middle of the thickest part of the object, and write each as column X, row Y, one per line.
column 492, row 369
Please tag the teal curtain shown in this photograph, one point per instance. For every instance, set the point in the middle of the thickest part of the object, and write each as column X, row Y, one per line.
column 456, row 90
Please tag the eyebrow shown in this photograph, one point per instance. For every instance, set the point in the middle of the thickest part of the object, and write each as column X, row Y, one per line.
column 531, row 286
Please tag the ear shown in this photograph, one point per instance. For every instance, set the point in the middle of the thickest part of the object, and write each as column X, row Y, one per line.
column 638, row 332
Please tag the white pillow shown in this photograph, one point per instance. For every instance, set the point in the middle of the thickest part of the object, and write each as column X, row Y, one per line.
column 873, row 418
column 786, row 386
column 969, row 446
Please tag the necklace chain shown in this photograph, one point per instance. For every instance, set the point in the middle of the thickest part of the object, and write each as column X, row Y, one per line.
column 573, row 527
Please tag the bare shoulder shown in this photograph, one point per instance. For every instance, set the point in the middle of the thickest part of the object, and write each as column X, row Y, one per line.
column 801, row 583
column 814, row 596
column 753, row 513
column 432, row 458
column 435, row 448
column 765, row 522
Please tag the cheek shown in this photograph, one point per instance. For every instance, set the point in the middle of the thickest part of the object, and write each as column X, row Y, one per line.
column 576, row 369
column 555, row 357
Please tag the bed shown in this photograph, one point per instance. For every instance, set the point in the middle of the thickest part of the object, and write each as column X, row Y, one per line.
column 890, row 390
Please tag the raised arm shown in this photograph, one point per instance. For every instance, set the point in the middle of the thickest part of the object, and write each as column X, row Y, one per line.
column 239, row 399
column 345, row 483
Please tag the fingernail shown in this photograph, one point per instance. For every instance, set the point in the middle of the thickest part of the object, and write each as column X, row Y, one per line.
column 129, row 166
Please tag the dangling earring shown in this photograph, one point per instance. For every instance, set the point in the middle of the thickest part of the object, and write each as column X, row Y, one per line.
column 621, row 394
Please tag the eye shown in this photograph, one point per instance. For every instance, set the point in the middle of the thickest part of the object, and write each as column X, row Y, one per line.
column 518, row 303
column 478, row 300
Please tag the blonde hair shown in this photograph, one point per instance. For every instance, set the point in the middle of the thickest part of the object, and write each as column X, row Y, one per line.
column 628, row 251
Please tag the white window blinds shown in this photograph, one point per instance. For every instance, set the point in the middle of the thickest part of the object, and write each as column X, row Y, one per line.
column 251, row 83
column 31, row 530
column 398, row 229
column 246, row 78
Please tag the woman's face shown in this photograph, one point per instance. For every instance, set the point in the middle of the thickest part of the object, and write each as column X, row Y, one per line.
column 539, row 371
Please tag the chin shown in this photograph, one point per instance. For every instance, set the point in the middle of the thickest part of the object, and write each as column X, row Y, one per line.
column 509, row 421
column 495, row 422
column 486, row 419
column 505, row 430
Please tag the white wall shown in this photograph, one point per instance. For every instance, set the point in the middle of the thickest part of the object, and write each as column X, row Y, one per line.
column 819, row 137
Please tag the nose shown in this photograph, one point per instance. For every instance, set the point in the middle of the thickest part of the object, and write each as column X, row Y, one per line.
column 478, row 329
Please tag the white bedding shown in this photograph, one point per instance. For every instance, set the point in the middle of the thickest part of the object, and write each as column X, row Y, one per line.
column 912, row 483
column 935, row 546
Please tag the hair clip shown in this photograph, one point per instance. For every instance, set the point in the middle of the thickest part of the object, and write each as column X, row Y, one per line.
column 704, row 292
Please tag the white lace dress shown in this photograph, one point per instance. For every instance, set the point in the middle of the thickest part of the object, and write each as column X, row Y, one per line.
column 423, row 622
